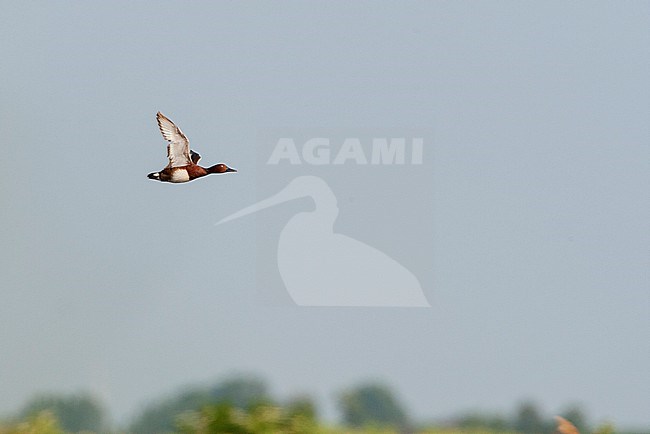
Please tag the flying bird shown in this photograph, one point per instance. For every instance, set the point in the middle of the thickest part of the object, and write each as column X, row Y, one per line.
column 182, row 166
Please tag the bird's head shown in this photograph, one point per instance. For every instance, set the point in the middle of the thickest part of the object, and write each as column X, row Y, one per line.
column 220, row 168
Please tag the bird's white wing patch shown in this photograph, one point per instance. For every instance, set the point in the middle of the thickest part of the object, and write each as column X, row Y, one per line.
column 178, row 150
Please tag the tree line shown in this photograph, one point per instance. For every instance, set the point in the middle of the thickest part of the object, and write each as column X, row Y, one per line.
column 244, row 404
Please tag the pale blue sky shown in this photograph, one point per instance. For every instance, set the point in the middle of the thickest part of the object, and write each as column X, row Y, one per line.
column 537, row 251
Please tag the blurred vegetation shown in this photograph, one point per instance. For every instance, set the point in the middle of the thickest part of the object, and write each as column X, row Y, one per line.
column 262, row 418
column 61, row 413
column 240, row 392
column 372, row 404
column 44, row 422
column 244, row 405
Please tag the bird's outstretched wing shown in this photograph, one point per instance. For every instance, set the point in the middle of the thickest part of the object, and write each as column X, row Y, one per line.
column 178, row 150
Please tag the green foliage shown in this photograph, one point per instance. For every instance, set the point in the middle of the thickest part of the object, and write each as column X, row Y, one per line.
column 240, row 392
column 528, row 419
column 606, row 428
column 577, row 417
column 74, row 412
column 372, row 404
column 43, row 422
column 464, row 431
column 161, row 417
column 243, row 405
column 477, row 421
column 217, row 418
column 260, row 419
column 302, row 405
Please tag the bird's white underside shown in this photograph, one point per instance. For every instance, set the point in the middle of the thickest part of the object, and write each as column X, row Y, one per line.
column 180, row 175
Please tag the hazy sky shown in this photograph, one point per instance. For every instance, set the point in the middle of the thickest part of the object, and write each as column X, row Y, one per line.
column 527, row 225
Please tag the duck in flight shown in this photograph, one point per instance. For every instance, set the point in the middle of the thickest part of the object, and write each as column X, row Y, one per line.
column 182, row 166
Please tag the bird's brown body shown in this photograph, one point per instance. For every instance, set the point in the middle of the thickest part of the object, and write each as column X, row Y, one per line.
column 182, row 166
